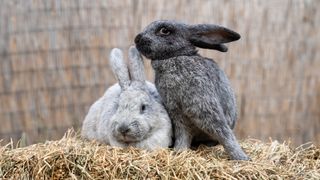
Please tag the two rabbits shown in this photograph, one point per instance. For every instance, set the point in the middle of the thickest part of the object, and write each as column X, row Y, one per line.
column 195, row 92
column 130, row 113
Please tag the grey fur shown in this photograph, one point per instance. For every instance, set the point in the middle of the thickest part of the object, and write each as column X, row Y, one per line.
column 118, row 119
column 195, row 91
column 119, row 68
column 136, row 66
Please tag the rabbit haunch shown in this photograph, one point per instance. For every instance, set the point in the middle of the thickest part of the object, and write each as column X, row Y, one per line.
column 130, row 113
column 195, row 91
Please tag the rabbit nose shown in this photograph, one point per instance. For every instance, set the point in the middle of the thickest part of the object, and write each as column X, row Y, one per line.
column 123, row 129
column 137, row 38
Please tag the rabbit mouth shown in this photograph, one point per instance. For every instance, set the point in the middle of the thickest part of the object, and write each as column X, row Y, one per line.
column 129, row 139
column 144, row 47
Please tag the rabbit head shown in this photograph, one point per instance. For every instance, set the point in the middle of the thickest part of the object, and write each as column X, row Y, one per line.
column 139, row 107
column 166, row 39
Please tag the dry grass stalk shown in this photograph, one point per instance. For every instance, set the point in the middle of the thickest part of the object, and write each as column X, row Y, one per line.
column 74, row 158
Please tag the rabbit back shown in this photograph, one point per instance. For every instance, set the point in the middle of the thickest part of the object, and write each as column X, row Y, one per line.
column 196, row 77
column 99, row 115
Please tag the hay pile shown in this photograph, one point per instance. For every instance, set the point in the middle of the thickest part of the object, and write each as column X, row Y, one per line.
column 74, row 158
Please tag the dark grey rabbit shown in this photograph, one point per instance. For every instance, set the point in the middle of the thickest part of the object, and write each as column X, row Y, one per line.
column 195, row 91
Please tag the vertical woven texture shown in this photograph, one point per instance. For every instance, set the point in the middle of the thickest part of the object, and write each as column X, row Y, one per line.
column 53, row 61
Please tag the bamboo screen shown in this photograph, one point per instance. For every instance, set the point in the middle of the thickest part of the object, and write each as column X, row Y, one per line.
column 54, row 61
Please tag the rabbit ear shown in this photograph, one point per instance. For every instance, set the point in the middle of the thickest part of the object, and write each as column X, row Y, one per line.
column 119, row 68
column 136, row 66
column 210, row 36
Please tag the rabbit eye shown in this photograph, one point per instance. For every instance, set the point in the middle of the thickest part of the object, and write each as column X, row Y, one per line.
column 143, row 108
column 164, row 31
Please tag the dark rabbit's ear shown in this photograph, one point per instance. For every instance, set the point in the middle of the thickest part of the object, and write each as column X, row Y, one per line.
column 210, row 36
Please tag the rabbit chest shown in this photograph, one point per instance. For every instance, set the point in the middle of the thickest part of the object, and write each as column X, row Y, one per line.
column 183, row 77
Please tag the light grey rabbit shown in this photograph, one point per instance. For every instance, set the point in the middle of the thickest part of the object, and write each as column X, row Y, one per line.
column 194, row 90
column 129, row 113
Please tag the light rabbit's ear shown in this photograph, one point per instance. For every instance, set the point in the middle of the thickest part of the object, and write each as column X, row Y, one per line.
column 119, row 68
column 210, row 36
column 136, row 67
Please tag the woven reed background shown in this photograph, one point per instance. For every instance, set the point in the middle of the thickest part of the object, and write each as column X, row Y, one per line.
column 54, row 65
